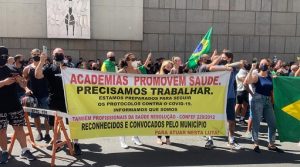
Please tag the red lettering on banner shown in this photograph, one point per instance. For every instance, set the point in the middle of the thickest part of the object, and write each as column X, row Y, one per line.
column 160, row 81
column 87, row 80
column 203, row 80
column 79, row 79
column 73, row 79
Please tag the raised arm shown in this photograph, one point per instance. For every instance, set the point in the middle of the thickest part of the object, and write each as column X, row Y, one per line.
column 297, row 73
column 251, row 77
column 39, row 69
column 148, row 60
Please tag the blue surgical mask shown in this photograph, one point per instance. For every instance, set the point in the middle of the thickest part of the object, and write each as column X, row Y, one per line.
column 264, row 67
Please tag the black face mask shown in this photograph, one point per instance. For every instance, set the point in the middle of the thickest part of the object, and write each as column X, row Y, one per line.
column 181, row 69
column 112, row 59
column 166, row 71
column 59, row 57
column 36, row 58
column 264, row 67
column 22, row 62
column 247, row 67
column 208, row 62
column 94, row 68
column 223, row 62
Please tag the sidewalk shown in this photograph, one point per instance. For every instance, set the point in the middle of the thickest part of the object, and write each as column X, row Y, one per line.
column 184, row 151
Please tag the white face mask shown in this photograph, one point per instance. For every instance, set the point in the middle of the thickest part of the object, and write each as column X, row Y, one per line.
column 135, row 64
column 65, row 61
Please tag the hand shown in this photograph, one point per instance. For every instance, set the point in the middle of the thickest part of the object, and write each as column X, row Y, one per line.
column 19, row 79
column 28, row 92
column 215, row 52
column 9, row 81
column 43, row 57
column 254, row 65
column 149, row 55
column 228, row 68
column 63, row 66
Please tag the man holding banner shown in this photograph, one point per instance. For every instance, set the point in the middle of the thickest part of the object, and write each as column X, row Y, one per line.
column 224, row 65
column 57, row 97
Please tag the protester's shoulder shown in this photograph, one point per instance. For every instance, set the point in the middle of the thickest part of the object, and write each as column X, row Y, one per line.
column 4, row 69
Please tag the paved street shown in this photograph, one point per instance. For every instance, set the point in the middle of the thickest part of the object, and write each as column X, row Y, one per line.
column 184, row 151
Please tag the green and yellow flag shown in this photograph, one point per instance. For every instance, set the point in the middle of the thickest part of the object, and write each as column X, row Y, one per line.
column 108, row 66
column 202, row 48
column 287, row 107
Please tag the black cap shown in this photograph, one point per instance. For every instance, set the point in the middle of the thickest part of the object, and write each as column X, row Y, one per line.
column 3, row 50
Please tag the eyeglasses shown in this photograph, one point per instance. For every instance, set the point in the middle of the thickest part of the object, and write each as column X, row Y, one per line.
column 36, row 54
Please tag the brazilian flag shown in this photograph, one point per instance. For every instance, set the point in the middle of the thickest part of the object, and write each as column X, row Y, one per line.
column 108, row 66
column 287, row 107
column 202, row 48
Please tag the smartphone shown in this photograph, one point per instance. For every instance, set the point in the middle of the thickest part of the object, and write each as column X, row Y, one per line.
column 45, row 49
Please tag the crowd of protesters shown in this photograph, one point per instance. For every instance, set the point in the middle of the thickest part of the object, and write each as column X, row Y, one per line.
column 37, row 79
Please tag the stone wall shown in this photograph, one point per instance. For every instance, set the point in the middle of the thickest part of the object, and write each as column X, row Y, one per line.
column 260, row 28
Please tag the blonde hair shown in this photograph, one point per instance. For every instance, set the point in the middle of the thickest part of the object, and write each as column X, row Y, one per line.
column 163, row 65
column 35, row 50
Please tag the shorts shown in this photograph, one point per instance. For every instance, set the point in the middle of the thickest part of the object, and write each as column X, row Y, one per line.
column 242, row 97
column 230, row 109
column 42, row 103
column 15, row 118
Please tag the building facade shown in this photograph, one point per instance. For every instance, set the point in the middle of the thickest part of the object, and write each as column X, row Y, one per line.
column 249, row 28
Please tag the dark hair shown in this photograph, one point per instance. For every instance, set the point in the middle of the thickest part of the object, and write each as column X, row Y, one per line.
column 126, row 56
column 18, row 57
column 229, row 54
column 123, row 63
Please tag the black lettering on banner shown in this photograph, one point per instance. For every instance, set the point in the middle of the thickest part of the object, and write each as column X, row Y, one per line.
column 79, row 89
column 181, row 91
column 101, row 125
column 193, row 124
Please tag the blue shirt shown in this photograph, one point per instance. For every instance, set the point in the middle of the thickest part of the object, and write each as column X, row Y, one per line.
column 231, row 89
column 264, row 86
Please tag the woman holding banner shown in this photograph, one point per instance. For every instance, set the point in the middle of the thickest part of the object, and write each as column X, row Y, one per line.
column 261, row 104
column 127, row 66
column 166, row 68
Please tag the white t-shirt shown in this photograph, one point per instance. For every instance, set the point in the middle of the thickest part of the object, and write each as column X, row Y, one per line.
column 241, row 74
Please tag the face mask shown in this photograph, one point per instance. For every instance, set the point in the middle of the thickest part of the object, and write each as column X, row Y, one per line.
column 36, row 58
column 208, row 62
column 134, row 64
column 263, row 67
column 223, row 62
column 94, row 68
column 59, row 57
column 247, row 67
column 166, row 71
column 112, row 59
column 22, row 62
column 65, row 61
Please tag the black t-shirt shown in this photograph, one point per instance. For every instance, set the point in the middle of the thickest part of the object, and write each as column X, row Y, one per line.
column 39, row 87
column 20, row 90
column 56, row 91
column 9, row 101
